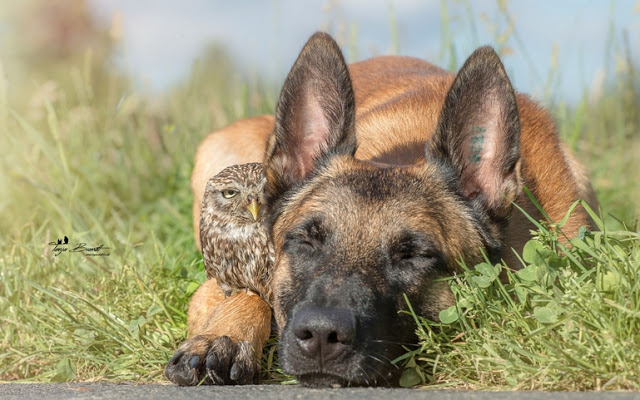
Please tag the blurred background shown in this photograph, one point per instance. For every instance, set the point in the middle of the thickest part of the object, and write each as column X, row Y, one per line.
column 564, row 46
column 575, row 38
column 103, row 103
column 183, row 70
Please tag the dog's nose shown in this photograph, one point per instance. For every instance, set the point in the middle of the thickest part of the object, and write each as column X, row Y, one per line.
column 324, row 333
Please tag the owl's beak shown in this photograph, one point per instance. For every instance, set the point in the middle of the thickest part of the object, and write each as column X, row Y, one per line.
column 253, row 208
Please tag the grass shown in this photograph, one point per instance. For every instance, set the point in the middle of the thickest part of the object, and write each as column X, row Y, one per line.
column 568, row 320
column 108, row 170
column 84, row 155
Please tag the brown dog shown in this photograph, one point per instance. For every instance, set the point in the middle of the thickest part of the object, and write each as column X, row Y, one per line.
column 381, row 177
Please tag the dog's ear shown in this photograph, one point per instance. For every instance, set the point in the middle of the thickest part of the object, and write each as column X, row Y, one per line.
column 478, row 134
column 315, row 115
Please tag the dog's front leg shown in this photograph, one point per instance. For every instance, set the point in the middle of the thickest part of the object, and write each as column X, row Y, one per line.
column 226, row 336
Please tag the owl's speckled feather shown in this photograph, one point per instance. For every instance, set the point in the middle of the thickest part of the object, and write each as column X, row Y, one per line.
column 235, row 244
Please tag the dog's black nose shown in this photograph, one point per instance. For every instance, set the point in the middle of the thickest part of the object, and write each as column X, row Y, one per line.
column 323, row 333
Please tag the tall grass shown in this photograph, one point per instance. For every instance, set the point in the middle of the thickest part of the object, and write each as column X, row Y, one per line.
column 111, row 171
column 85, row 155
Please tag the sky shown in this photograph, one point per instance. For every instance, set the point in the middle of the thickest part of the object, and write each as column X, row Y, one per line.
column 162, row 38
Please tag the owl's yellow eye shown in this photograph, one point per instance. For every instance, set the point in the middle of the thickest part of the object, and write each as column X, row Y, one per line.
column 229, row 193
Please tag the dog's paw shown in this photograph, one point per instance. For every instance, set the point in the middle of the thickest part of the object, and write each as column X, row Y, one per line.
column 231, row 363
column 187, row 366
column 218, row 361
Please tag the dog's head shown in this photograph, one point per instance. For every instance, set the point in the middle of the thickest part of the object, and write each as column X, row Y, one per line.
column 353, row 236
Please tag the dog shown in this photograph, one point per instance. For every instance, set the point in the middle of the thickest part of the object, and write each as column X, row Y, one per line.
column 381, row 177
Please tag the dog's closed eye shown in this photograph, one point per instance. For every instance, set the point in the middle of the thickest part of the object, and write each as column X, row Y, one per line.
column 412, row 247
column 308, row 236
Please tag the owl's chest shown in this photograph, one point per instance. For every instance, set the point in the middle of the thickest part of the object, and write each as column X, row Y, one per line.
column 237, row 251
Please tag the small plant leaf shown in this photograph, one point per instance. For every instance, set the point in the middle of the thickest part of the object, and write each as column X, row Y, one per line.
column 529, row 252
column 528, row 273
column 546, row 314
column 511, row 380
column 192, row 287
column 486, row 269
column 521, row 293
column 534, row 252
column 135, row 324
column 153, row 310
column 610, row 281
column 449, row 316
column 65, row 371
column 410, row 377
column 483, row 281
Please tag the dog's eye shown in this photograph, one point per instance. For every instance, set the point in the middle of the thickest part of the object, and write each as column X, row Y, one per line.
column 296, row 243
column 412, row 248
column 308, row 237
column 229, row 193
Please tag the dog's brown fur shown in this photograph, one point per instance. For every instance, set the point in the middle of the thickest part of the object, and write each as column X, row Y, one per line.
column 399, row 107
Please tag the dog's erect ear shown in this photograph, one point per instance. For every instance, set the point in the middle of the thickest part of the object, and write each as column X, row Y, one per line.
column 315, row 115
column 478, row 133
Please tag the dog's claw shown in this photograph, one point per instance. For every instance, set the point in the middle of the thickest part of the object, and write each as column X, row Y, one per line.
column 194, row 362
column 217, row 361
column 181, row 372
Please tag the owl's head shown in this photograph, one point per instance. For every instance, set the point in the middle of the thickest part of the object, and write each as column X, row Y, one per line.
column 236, row 194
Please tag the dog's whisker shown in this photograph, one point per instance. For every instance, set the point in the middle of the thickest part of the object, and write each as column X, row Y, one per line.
column 364, row 374
column 378, row 373
column 385, row 358
column 395, row 343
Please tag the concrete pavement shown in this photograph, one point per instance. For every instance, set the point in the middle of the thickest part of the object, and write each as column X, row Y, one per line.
column 273, row 392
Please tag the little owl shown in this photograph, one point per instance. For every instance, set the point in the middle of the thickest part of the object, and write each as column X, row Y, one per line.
column 235, row 246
